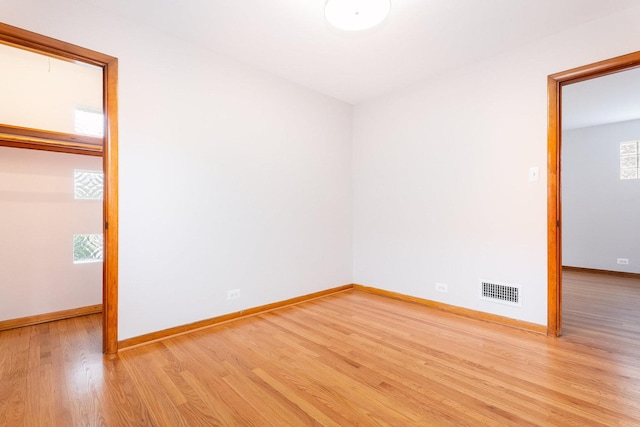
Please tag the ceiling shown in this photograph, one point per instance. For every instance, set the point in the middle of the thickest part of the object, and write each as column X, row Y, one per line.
column 420, row 38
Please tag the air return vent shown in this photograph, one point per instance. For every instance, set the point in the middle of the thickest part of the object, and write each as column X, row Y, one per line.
column 500, row 293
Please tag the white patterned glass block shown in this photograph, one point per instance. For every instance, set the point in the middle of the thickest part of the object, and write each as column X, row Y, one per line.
column 628, row 148
column 629, row 160
column 88, row 185
column 88, row 248
column 631, row 173
column 89, row 123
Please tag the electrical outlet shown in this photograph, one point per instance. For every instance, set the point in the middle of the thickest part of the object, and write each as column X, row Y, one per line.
column 442, row 287
column 233, row 294
column 623, row 261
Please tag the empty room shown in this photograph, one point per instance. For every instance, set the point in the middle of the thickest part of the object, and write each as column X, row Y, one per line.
column 322, row 212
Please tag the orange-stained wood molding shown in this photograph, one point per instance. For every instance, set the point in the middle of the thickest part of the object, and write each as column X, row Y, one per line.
column 190, row 327
column 52, row 136
column 554, row 200
column 466, row 312
column 17, row 141
column 604, row 272
column 49, row 317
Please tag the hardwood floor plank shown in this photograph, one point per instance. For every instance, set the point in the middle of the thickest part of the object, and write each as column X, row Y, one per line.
column 406, row 356
column 83, row 373
column 248, row 350
column 151, row 383
column 314, row 414
column 352, row 358
column 14, row 350
column 342, row 367
column 122, row 404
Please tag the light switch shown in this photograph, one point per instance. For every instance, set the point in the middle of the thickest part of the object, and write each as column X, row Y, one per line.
column 534, row 173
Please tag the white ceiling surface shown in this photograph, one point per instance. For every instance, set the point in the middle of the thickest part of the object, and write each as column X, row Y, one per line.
column 420, row 38
column 608, row 99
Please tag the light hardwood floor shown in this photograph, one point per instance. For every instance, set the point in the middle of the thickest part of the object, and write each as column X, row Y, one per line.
column 348, row 359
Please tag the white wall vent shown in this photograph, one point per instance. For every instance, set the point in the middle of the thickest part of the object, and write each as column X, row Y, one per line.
column 500, row 292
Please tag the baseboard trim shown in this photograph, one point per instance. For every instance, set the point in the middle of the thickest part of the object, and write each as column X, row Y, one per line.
column 206, row 323
column 49, row 317
column 191, row 327
column 466, row 312
column 604, row 272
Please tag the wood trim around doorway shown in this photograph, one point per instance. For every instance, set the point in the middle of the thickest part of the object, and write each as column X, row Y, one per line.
column 554, row 146
column 41, row 44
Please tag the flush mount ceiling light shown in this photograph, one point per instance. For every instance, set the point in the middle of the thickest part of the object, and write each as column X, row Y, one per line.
column 356, row 15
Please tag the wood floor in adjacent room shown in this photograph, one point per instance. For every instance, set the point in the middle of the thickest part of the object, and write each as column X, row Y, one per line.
column 348, row 359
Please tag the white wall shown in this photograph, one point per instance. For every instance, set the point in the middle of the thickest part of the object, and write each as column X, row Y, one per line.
column 38, row 218
column 599, row 210
column 441, row 173
column 230, row 178
column 41, row 92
